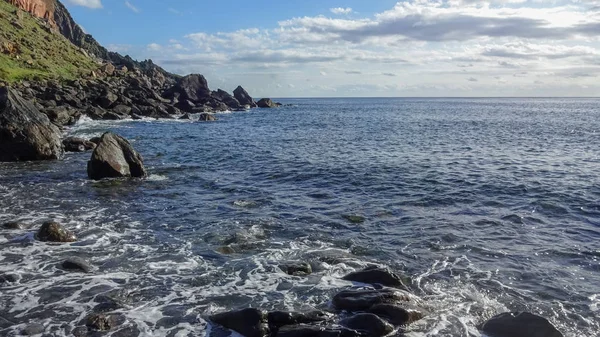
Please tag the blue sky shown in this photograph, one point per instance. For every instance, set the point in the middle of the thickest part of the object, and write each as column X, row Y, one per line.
column 362, row 48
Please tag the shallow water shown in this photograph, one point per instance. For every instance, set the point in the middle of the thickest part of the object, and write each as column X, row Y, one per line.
column 489, row 205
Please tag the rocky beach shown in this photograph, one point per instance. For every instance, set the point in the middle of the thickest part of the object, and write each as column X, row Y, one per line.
column 119, row 219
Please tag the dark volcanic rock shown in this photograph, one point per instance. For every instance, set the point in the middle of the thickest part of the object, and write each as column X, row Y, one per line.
column 114, row 157
column 192, row 87
column 53, row 232
column 248, row 322
column 395, row 314
column 186, row 116
column 363, row 299
column 75, row 144
column 206, row 117
column 277, row 319
column 519, row 324
column 266, row 103
column 25, row 132
column 243, row 97
column 316, row 331
column 376, row 275
column 296, row 268
column 13, row 225
column 370, row 324
column 76, row 264
column 226, row 98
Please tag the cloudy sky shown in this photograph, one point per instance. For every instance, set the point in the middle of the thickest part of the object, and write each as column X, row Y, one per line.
column 342, row 48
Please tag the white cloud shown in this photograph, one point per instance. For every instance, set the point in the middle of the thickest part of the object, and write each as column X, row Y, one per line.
column 341, row 10
column 132, row 7
column 86, row 3
column 154, row 47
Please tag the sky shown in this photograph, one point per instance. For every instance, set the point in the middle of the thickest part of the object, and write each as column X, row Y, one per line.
column 360, row 48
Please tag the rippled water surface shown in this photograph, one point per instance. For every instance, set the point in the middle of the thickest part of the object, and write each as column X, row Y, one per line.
column 488, row 205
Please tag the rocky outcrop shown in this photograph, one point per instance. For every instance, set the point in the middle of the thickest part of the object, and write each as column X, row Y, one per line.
column 39, row 8
column 76, row 264
column 193, row 88
column 267, row 103
column 363, row 299
column 206, row 117
column 226, row 98
column 53, row 232
column 369, row 324
column 296, row 268
column 114, row 157
column 25, row 133
column 243, row 97
column 519, row 324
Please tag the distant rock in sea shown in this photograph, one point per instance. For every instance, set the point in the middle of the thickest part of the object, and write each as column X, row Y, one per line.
column 114, row 157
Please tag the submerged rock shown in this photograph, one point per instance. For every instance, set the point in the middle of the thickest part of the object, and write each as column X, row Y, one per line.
column 363, row 299
column 296, row 268
column 243, row 97
column 53, row 232
column 377, row 275
column 14, row 225
column 99, row 322
column 76, row 144
column 519, row 324
column 76, row 264
column 248, row 322
column 206, row 117
column 369, row 324
column 8, row 278
column 25, row 132
column 316, row 331
column 395, row 314
column 355, row 219
column 114, row 157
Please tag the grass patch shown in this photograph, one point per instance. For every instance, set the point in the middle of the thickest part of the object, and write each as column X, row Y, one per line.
column 42, row 54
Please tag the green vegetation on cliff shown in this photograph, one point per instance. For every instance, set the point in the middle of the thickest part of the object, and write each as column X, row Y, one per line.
column 30, row 50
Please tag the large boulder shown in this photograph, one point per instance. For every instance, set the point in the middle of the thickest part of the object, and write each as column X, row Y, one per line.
column 226, row 98
column 206, row 117
column 267, row 103
column 243, row 97
column 369, row 324
column 519, row 324
column 53, row 232
column 247, row 322
column 25, row 132
column 114, row 157
column 192, row 87
column 395, row 314
column 363, row 299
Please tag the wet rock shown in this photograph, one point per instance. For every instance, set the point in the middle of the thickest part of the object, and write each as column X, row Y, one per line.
column 376, row 275
column 107, row 304
column 363, row 299
column 369, row 324
column 99, row 322
column 278, row 319
column 25, row 132
column 54, row 232
column 248, row 322
column 187, row 116
column 355, row 219
column 226, row 250
column 8, row 278
column 206, row 117
column 114, row 157
column 315, row 331
column 395, row 314
column 243, row 97
column 14, row 225
column 76, row 144
column 266, row 103
column 296, row 268
column 76, row 264
column 95, row 140
column 33, row 329
column 519, row 324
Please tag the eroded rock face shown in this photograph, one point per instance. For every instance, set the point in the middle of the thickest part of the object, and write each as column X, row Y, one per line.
column 248, row 322
column 53, row 232
column 38, row 8
column 243, row 97
column 226, row 98
column 25, row 132
column 519, row 324
column 114, row 157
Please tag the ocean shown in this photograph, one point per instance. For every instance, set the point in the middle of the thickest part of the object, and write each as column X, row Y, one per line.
column 487, row 205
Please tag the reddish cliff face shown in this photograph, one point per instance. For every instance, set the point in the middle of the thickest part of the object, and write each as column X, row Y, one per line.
column 40, row 8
